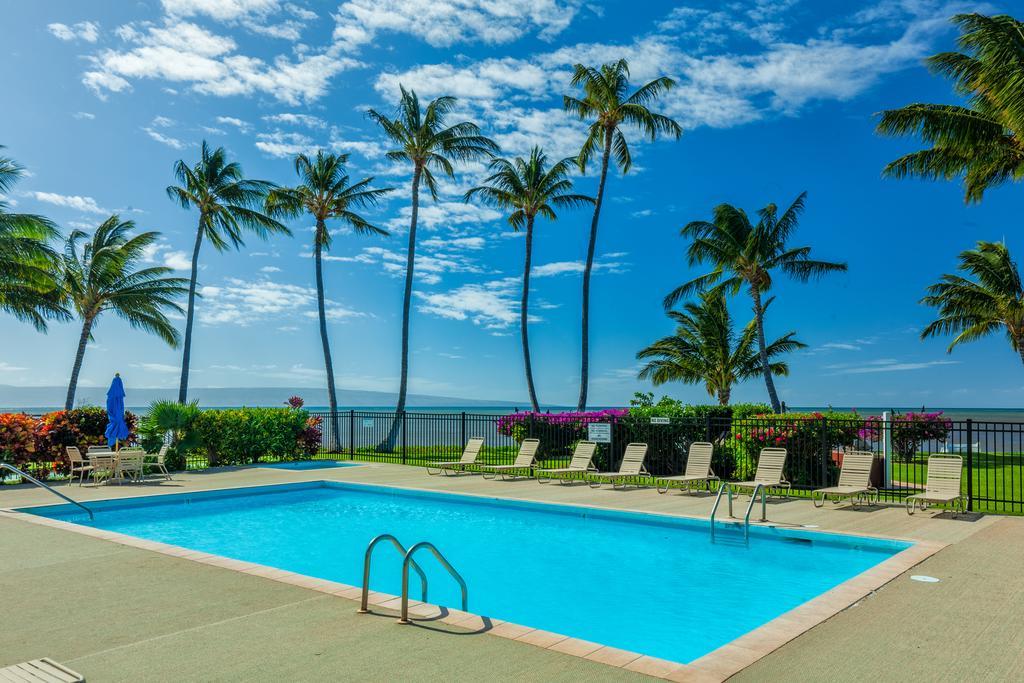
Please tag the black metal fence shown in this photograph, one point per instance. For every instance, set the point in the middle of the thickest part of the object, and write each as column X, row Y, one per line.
column 992, row 452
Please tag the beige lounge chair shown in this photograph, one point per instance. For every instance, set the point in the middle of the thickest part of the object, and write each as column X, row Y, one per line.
column 854, row 481
column 523, row 462
column 769, row 472
column 79, row 465
column 43, row 670
column 698, row 469
column 631, row 467
column 582, row 462
column 468, row 459
column 942, row 485
column 159, row 462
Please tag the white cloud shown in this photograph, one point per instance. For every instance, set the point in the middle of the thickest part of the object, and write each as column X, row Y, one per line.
column 444, row 214
column 270, row 269
column 83, row 115
column 174, row 143
column 221, row 10
column 296, row 120
column 76, row 202
column 89, row 31
column 7, row 367
column 158, row 367
column 473, row 243
column 162, row 253
column 242, row 302
column 600, row 264
column 177, row 260
column 886, row 365
column 492, row 305
column 281, row 144
column 241, row 125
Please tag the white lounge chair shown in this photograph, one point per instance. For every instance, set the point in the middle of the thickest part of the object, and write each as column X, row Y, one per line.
column 698, row 469
column 942, row 485
column 854, row 481
column 523, row 462
column 468, row 459
column 631, row 467
column 582, row 462
column 770, row 463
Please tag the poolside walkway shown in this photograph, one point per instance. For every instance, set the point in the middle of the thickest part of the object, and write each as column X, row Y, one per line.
column 138, row 615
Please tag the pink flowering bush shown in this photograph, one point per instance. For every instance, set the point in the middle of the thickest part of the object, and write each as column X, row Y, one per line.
column 908, row 432
column 558, row 432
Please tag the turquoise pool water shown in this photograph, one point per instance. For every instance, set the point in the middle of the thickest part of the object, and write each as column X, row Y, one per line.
column 647, row 583
column 307, row 464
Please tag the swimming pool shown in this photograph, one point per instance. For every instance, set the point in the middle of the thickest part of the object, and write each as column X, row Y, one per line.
column 647, row 583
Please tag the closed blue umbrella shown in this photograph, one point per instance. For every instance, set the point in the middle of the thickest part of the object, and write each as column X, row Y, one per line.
column 117, row 428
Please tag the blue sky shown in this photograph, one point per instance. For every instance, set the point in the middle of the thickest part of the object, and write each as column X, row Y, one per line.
column 776, row 97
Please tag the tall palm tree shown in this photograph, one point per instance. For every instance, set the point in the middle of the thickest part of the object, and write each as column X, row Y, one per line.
column 529, row 188
column 327, row 194
column 228, row 204
column 983, row 140
column 746, row 255
column 100, row 274
column 605, row 100
column 974, row 308
column 706, row 349
column 425, row 141
column 28, row 287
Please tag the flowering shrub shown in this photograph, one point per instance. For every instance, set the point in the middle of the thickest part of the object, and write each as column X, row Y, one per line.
column 17, row 438
column 81, row 427
column 908, row 432
column 296, row 402
column 558, row 432
column 311, row 437
column 807, row 438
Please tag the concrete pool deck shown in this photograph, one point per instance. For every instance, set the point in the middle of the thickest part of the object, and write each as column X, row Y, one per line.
column 167, row 617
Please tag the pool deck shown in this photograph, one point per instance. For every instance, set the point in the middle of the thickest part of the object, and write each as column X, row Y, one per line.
column 174, row 616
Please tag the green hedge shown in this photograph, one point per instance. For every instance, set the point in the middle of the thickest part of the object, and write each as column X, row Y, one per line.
column 241, row 436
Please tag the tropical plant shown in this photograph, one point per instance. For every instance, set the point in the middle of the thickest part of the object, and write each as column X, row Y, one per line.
column 327, row 194
column 100, row 274
column 907, row 431
column 706, row 349
column 228, row 204
column 245, row 435
column 172, row 424
column 80, row 427
column 28, row 287
column 605, row 100
column 974, row 308
column 746, row 255
column 981, row 141
column 528, row 188
column 425, row 141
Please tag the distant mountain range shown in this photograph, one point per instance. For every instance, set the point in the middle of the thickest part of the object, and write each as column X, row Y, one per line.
column 39, row 399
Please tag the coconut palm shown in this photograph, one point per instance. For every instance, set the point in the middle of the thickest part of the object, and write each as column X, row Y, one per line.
column 747, row 255
column 28, row 287
column 706, row 349
column 327, row 194
column 989, row 299
column 606, row 101
column 425, row 141
column 100, row 274
column 528, row 188
column 981, row 141
column 228, row 204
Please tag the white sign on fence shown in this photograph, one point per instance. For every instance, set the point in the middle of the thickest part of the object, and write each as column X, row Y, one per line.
column 661, row 421
column 601, row 432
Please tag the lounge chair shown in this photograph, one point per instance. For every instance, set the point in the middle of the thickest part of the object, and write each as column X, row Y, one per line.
column 79, row 465
column 942, row 485
column 160, row 462
column 698, row 469
column 582, row 462
column 854, row 481
column 631, row 467
column 468, row 459
column 523, row 462
column 769, row 472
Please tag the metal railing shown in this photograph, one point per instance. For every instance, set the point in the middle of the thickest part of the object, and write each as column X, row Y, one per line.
column 364, row 605
column 24, row 475
column 725, row 487
column 750, row 506
column 444, row 562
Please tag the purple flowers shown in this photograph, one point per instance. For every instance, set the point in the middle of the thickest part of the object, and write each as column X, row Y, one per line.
column 508, row 424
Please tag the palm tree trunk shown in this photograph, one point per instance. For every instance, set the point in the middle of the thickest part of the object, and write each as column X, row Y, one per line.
column 403, row 385
column 83, row 341
column 186, row 355
column 723, row 396
column 763, row 351
column 524, row 315
column 334, row 441
column 585, row 315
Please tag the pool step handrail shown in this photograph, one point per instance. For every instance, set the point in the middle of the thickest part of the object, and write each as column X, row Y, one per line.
column 25, row 475
column 364, row 604
column 723, row 488
column 750, row 506
column 444, row 562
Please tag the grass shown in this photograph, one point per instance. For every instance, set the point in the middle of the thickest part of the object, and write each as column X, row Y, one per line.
column 994, row 477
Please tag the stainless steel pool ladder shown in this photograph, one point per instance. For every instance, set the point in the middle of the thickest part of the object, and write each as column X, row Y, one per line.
column 24, row 475
column 726, row 487
column 364, row 603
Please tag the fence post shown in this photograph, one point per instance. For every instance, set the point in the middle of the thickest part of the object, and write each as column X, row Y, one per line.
column 405, row 437
column 351, row 434
column 463, row 430
column 707, row 427
column 970, row 465
column 826, row 453
column 887, row 447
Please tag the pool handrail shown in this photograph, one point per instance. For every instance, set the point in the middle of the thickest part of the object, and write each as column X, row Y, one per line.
column 444, row 562
column 750, row 506
column 725, row 486
column 25, row 475
column 364, row 602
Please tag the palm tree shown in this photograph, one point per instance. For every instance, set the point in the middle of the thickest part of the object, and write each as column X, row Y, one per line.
column 705, row 348
column 745, row 255
column 326, row 193
column 974, row 308
column 983, row 140
column 424, row 140
column 102, row 276
column 228, row 204
column 528, row 187
column 28, row 286
column 605, row 100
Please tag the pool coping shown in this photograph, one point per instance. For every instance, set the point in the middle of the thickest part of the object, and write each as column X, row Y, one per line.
column 717, row 665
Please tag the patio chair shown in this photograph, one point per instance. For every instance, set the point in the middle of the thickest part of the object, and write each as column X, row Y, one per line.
column 769, row 472
column 129, row 463
column 631, row 467
column 523, row 462
column 582, row 462
column 942, row 485
column 79, row 465
column 159, row 463
column 104, row 466
column 698, row 469
column 99, row 449
column 854, row 481
column 468, row 459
